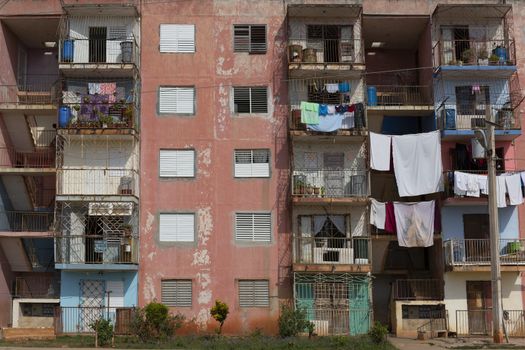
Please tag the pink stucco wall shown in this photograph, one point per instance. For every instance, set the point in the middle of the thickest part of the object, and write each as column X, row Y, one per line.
column 215, row 261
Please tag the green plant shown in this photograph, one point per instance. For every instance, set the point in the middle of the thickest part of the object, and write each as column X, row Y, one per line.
column 219, row 312
column 483, row 54
column 76, row 107
column 104, row 332
column 493, row 59
column 153, row 322
column 293, row 321
column 378, row 333
column 468, row 55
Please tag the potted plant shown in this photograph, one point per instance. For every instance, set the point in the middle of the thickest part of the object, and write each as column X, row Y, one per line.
column 86, row 99
column 317, row 191
column 76, row 107
column 493, row 60
column 468, row 56
column 299, row 186
column 452, row 63
column 483, row 58
column 309, row 189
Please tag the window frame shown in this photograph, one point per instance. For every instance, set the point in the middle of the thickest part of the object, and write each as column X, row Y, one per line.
column 176, row 280
column 183, row 150
column 179, row 52
column 252, row 305
column 252, row 241
column 179, row 114
column 236, row 176
column 195, row 228
column 250, row 100
column 250, row 50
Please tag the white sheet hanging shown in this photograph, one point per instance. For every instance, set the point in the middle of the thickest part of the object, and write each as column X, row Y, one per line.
column 513, row 183
column 377, row 214
column 501, row 191
column 417, row 163
column 415, row 223
column 380, row 146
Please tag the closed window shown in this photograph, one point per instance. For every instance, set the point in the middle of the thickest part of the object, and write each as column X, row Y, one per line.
column 250, row 99
column 177, row 163
column 254, row 293
column 252, row 163
column 253, row 227
column 176, row 100
column 177, row 38
column 176, row 292
column 177, row 227
column 249, row 38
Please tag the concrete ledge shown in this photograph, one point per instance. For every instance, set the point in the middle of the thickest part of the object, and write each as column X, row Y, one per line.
column 14, row 334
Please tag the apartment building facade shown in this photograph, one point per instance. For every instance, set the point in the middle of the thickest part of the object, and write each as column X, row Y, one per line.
column 246, row 129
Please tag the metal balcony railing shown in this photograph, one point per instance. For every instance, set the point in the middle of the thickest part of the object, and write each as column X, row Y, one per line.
column 402, row 95
column 95, row 181
column 474, row 52
column 467, row 116
column 332, row 250
column 101, row 115
column 98, row 51
column 80, row 319
column 116, row 248
column 26, row 221
column 330, row 51
column 418, row 289
column 322, row 183
column 40, row 157
column 31, row 90
column 37, row 286
column 464, row 252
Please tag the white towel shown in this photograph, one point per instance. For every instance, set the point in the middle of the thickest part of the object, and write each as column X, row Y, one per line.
column 348, row 120
column 380, row 146
column 331, row 88
column 483, row 184
column 501, row 190
column 514, row 189
column 331, row 109
column 415, row 223
column 417, row 163
column 523, row 177
column 377, row 214
column 460, row 183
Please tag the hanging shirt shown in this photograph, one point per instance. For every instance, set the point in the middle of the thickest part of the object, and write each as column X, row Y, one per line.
column 415, row 223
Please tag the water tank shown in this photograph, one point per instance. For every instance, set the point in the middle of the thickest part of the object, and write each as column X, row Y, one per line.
column 371, row 92
column 478, row 152
column 127, row 51
column 64, row 114
column 67, row 50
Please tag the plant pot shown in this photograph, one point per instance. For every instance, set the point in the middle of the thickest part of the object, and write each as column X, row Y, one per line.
column 317, row 191
column 127, row 248
column 309, row 190
column 483, row 61
column 104, row 125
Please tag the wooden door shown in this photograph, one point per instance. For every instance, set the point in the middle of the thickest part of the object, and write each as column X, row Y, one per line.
column 333, row 164
column 477, row 233
column 479, row 306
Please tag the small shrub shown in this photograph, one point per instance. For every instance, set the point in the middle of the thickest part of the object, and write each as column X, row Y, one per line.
column 219, row 312
column 154, row 323
column 293, row 321
column 378, row 333
column 104, row 330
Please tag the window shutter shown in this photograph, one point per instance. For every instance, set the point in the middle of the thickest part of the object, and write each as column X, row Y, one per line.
column 241, row 99
column 178, row 100
column 250, row 99
column 241, row 38
column 254, row 293
column 177, row 163
column 177, row 227
column 176, row 292
column 259, row 99
column 253, row 227
column 178, row 38
column 117, row 33
column 258, row 39
column 252, row 163
column 116, row 297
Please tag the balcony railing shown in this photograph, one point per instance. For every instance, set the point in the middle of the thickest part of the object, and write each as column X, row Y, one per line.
column 98, row 51
column 100, row 115
column 399, row 95
column 418, row 289
column 37, row 286
column 31, row 90
column 41, row 157
column 474, row 52
column 80, row 319
column 26, row 221
column 329, row 51
column 332, row 250
column 330, row 183
column 95, row 181
column 465, row 252
column 90, row 249
column 463, row 116
column 355, row 123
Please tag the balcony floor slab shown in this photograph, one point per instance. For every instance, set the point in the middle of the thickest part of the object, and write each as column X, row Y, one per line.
column 97, row 267
column 332, row 268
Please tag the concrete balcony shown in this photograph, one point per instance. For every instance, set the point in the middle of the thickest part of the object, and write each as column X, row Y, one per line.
column 418, row 289
column 411, row 98
column 474, row 254
column 332, row 254
column 32, row 92
column 26, row 224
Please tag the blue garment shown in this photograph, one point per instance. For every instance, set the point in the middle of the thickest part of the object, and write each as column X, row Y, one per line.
column 327, row 123
column 323, row 109
column 344, row 87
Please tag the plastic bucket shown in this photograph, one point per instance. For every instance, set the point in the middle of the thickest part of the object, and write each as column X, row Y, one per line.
column 127, row 51
column 64, row 114
column 371, row 92
column 501, row 52
column 68, row 48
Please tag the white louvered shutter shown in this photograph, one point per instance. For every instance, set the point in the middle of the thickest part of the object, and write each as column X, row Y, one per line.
column 253, row 227
column 177, row 227
column 176, row 293
column 252, row 163
column 179, row 100
column 116, row 297
column 177, row 38
column 254, row 293
column 177, row 163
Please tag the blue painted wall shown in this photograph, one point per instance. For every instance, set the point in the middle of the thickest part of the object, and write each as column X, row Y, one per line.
column 70, row 285
column 452, row 220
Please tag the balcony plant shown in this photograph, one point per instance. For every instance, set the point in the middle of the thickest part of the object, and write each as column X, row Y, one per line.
column 299, row 186
column 468, row 56
column 493, row 60
column 483, row 57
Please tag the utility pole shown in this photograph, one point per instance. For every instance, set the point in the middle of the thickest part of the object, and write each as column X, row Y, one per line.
column 497, row 312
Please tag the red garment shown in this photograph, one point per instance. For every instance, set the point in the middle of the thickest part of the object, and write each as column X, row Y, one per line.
column 390, row 220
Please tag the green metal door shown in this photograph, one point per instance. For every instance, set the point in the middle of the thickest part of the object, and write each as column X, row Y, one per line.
column 304, row 299
column 359, row 307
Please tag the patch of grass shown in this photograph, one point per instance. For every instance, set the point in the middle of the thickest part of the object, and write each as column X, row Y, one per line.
column 253, row 342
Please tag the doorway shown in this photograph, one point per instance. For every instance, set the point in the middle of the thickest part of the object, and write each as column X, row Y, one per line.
column 461, row 41
column 333, row 164
column 476, row 232
column 97, row 44
column 479, row 306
